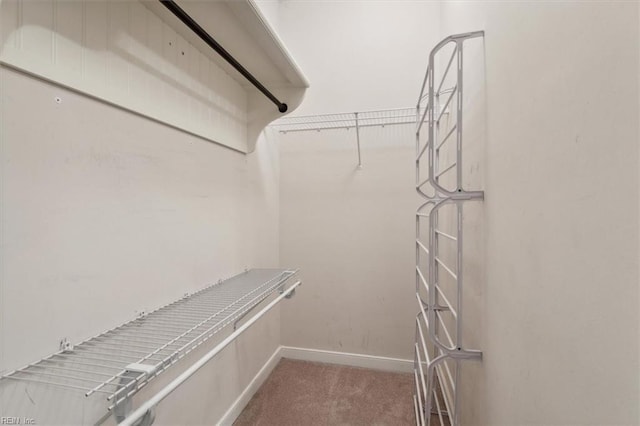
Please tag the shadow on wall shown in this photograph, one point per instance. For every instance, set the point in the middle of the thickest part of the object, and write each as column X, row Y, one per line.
column 121, row 46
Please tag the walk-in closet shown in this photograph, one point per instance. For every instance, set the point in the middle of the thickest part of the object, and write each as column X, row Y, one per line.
column 311, row 212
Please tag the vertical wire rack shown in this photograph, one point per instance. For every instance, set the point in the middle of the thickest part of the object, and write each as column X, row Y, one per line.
column 439, row 348
column 119, row 362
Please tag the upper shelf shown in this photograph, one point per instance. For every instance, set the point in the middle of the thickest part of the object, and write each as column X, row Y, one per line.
column 140, row 57
column 241, row 28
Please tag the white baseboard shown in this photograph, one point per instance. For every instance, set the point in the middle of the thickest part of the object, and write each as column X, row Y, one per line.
column 316, row 355
column 238, row 405
column 396, row 365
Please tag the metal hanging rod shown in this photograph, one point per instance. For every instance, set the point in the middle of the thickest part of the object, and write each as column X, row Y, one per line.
column 200, row 32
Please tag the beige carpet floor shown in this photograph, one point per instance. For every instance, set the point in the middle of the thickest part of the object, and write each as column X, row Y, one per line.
column 306, row 393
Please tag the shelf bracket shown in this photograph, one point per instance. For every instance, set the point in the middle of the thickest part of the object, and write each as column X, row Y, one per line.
column 125, row 407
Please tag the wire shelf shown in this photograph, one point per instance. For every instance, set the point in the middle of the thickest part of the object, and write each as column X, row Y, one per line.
column 346, row 120
column 120, row 361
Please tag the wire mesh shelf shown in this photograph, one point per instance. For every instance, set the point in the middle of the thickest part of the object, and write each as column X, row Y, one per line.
column 120, row 361
column 345, row 120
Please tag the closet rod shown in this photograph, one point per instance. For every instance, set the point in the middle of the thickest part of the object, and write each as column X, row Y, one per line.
column 200, row 32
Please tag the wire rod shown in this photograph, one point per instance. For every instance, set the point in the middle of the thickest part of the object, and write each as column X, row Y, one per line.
column 45, row 382
column 437, row 401
column 424, row 148
column 415, row 409
column 446, row 169
column 446, row 71
column 444, row 328
column 64, row 376
column 424, row 281
column 358, row 140
column 420, row 407
column 446, row 301
column 446, row 268
column 453, row 128
column 420, row 370
column 422, row 341
column 444, row 234
column 75, row 370
column 76, row 362
column 427, row 108
column 446, row 105
column 422, row 246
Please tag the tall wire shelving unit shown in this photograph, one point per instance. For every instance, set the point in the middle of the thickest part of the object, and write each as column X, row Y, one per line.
column 439, row 347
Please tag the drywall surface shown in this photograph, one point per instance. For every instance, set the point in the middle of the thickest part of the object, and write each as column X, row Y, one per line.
column 359, row 55
column 560, row 322
column 352, row 231
column 105, row 214
column 123, row 53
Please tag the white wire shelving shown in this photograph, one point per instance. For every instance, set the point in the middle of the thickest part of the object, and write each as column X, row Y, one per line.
column 346, row 120
column 119, row 362
column 439, row 347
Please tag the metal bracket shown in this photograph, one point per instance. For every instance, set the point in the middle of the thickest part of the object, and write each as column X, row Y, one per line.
column 123, row 408
column 65, row 345
column 437, row 308
column 465, row 354
column 281, row 290
column 288, row 296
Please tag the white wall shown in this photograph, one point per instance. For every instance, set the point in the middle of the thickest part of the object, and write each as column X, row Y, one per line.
column 559, row 329
column 359, row 55
column 351, row 231
column 123, row 53
column 105, row 213
column 557, row 298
